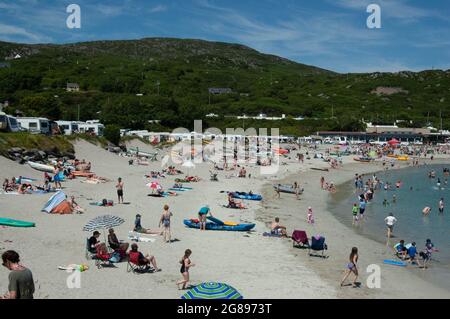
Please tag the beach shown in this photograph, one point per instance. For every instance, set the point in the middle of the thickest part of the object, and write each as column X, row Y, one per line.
column 257, row 266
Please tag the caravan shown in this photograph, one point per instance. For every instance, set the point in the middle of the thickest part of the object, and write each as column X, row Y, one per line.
column 37, row 125
column 91, row 127
column 8, row 123
column 68, row 127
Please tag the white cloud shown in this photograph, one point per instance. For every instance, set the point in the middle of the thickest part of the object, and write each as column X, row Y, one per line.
column 9, row 32
column 158, row 8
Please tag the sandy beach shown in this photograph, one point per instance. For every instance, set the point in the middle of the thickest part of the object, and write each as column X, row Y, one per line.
column 257, row 266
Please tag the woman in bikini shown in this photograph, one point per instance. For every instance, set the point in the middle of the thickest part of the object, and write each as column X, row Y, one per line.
column 185, row 265
column 165, row 223
column 351, row 267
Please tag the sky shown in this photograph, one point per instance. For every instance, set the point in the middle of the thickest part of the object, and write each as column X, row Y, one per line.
column 331, row 34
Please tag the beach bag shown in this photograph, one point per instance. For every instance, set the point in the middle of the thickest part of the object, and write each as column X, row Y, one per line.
column 116, row 257
column 110, row 203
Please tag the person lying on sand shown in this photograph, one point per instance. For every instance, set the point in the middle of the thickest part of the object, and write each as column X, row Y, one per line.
column 139, row 229
column 277, row 229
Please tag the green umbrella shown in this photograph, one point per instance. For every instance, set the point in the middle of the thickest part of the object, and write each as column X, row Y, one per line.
column 212, row 290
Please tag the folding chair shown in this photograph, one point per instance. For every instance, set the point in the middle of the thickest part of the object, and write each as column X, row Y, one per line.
column 300, row 239
column 318, row 244
column 134, row 265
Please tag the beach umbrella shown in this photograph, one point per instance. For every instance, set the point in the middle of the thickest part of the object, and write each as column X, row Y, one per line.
column 212, row 290
column 105, row 221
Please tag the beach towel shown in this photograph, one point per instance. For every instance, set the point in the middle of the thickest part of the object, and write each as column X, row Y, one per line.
column 266, row 234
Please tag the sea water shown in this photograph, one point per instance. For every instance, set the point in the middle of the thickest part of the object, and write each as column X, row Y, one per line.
column 417, row 192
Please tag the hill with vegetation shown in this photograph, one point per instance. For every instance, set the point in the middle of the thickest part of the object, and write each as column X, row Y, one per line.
column 129, row 83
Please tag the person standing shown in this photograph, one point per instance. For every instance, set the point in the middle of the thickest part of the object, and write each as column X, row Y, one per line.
column 390, row 221
column 297, row 190
column 165, row 223
column 119, row 188
column 322, row 182
column 362, row 208
column 310, row 216
column 21, row 283
column 202, row 213
column 185, row 265
column 277, row 191
column 56, row 178
column 352, row 267
column 355, row 211
column 441, row 206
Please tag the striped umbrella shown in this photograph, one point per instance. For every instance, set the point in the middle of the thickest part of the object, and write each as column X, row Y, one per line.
column 105, row 221
column 212, row 290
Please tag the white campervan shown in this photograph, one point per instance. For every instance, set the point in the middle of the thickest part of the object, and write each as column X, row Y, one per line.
column 68, row 127
column 8, row 123
column 37, row 125
column 94, row 127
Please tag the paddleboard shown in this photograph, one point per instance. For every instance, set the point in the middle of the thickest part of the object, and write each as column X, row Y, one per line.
column 395, row 263
column 15, row 223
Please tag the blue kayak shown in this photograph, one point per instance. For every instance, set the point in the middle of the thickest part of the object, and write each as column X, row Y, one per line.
column 214, row 226
column 247, row 196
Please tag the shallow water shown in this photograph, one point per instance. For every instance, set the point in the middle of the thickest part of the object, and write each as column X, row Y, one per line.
column 411, row 225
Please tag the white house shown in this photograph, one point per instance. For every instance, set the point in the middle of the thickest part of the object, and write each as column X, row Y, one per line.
column 38, row 125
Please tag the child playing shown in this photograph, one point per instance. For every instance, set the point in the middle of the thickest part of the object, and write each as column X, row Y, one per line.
column 310, row 216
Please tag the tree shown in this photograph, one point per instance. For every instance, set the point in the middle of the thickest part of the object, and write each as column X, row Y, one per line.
column 112, row 134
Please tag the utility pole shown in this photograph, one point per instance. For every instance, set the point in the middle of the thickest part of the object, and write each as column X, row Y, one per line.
column 158, row 84
column 78, row 112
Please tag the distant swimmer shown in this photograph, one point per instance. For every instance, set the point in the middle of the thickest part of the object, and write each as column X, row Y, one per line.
column 426, row 211
column 398, row 184
column 438, row 183
column 394, row 199
column 441, row 206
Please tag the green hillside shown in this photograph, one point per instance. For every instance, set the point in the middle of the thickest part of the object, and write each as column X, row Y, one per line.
column 112, row 73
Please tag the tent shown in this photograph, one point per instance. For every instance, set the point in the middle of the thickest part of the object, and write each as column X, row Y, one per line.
column 54, row 201
column 57, row 204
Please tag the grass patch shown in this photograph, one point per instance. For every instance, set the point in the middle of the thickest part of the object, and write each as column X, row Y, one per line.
column 96, row 140
column 34, row 141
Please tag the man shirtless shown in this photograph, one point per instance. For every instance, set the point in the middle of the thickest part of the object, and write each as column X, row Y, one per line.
column 277, row 229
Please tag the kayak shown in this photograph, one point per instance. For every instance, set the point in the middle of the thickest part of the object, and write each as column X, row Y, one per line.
column 182, row 189
column 363, row 159
column 247, row 196
column 15, row 223
column 224, row 227
column 135, row 151
column 41, row 167
column 287, row 189
column 402, row 158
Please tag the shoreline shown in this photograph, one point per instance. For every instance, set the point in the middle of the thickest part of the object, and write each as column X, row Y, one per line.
column 371, row 251
column 257, row 266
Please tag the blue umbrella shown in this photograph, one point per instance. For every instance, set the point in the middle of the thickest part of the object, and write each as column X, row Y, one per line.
column 212, row 290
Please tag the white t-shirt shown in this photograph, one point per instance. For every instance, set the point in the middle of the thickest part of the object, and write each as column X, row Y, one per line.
column 390, row 220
